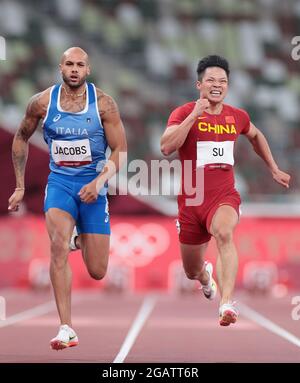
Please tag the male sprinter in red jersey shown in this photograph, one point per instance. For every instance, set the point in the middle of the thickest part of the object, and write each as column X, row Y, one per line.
column 205, row 131
column 79, row 122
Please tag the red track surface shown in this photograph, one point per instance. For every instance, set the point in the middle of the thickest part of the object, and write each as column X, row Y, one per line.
column 180, row 329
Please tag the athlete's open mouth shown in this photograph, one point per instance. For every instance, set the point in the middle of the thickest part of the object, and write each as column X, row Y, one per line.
column 216, row 92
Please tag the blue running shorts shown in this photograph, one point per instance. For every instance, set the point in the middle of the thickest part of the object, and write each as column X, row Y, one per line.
column 62, row 193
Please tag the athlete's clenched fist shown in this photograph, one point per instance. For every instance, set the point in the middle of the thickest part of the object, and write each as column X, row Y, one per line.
column 201, row 105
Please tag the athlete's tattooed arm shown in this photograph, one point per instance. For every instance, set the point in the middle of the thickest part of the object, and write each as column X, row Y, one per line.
column 116, row 139
column 114, row 132
column 27, row 127
column 108, row 107
column 34, row 112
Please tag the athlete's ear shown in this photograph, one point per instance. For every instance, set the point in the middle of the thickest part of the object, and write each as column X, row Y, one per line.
column 60, row 68
column 198, row 85
column 88, row 70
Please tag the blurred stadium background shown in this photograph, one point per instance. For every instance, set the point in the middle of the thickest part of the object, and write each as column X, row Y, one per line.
column 144, row 53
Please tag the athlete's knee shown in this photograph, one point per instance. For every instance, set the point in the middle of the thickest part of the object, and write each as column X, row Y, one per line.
column 223, row 235
column 191, row 275
column 59, row 258
column 59, row 245
column 97, row 273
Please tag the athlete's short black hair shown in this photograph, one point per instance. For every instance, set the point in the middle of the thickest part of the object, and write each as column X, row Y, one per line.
column 210, row 61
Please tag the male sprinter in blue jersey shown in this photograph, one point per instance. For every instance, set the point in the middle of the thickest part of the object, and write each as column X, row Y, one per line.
column 79, row 122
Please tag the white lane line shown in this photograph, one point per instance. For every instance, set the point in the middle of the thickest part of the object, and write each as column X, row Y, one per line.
column 29, row 314
column 141, row 318
column 268, row 324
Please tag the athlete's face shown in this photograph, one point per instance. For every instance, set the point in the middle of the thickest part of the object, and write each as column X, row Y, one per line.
column 214, row 84
column 74, row 69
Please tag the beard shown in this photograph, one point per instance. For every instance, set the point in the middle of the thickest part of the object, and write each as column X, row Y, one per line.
column 71, row 84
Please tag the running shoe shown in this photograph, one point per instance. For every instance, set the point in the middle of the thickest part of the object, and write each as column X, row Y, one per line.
column 72, row 244
column 228, row 313
column 66, row 337
column 209, row 290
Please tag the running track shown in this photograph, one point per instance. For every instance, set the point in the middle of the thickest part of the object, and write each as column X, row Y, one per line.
column 149, row 328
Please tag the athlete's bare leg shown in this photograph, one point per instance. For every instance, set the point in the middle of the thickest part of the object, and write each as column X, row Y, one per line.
column 222, row 226
column 95, row 252
column 193, row 262
column 60, row 225
column 219, row 274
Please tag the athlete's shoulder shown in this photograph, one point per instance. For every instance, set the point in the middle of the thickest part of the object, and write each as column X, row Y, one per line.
column 239, row 112
column 106, row 104
column 38, row 103
column 180, row 113
column 100, row 94
column 187, row 107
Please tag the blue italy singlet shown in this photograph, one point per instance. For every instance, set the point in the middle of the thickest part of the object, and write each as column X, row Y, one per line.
column 76, row 141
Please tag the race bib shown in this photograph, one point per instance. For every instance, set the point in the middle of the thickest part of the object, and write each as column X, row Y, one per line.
column 71, row 153
column 211, row 152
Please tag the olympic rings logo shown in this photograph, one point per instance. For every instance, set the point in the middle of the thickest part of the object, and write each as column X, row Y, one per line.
column 138, row 246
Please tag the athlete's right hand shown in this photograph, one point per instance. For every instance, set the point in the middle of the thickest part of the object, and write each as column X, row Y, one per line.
column 201, row 105
column 15, row 199
column 88, row 193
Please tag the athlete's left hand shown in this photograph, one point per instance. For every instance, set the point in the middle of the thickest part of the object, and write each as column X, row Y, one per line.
column 88, row 193
column 281, row 177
